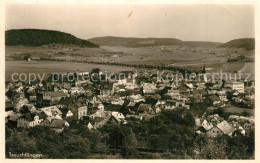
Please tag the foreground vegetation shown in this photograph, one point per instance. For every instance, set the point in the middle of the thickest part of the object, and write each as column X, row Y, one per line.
column 169, row 135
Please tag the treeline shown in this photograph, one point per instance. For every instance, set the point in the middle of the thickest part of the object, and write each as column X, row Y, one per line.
column 38, row 37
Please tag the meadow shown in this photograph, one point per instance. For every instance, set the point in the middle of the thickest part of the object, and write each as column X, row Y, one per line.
column 214, row 59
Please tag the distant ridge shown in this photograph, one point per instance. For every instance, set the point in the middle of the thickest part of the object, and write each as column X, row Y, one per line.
column 39, row 37
column 145, row 42
column 247, row 43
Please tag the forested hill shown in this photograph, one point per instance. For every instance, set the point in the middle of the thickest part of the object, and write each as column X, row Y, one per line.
column 39, row 37
column 247, row 43
column 146, row 42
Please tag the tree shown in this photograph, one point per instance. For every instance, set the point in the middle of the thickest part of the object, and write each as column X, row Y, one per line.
column 76, row 147
column 212, row 149
column 203, row 70
column 208, row 101
column 189, row 120
column 129, row 143
column 27, row 56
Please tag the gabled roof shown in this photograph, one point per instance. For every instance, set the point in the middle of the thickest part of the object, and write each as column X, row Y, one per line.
column 9, row 105
column 214, row 98
column 144, row 107
column 131, row 104
column 155, row 96
column 58, row 94
column 98, row 119
column 58, row 123
column 199, row 91
column 206, row 125
column 190, row 85
column 225, row 127
column 51, row 110
column 13, row 116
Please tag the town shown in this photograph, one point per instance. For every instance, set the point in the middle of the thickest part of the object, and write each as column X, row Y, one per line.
column 211, row 109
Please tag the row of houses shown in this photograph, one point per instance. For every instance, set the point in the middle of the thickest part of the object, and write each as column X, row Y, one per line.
column 214, row 125
column 59, row 104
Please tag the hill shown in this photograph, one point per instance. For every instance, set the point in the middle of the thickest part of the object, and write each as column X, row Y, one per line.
column 201, row 44
column 143, row 42
column 247, row 43
column 133, row 42
column 39, row 37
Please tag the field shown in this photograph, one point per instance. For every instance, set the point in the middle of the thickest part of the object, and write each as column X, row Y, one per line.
column 47, row 68
column 214, row 59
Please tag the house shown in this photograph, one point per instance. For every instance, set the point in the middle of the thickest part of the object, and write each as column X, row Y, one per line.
column 214, row 119
column 136, row 98
column 100, row 114
column 131, row 107
column 172, row 104
column 248, row 125
column 106, row 89
column 126, row 78
column 159, row 106
column 74, row 91
column 66, row 113
column 222, row 95
column 90, row 126
column 185, row 89
column 153, row 97
column 237, row 126
column 79, row 109
column 53, row 96
column 52, row 111
column 60, row 81
column 33, row 98
column 117, row 102
column 145, row 109
column 117, row 117
column 198, row 121
column 200, row 85
column 222, row 128
column 30, row 120
column 214, row 132
column 98, row 122
column 239, row 86
column 8, row 105
column 198, row 95
column 204, row 127
column 158, row 110
column 49, row 98
column 12, row 118
column 149, row 88
column 215, row 99
column 58, row 125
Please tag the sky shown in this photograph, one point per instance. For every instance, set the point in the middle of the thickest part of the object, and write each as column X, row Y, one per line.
column 218, row 23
